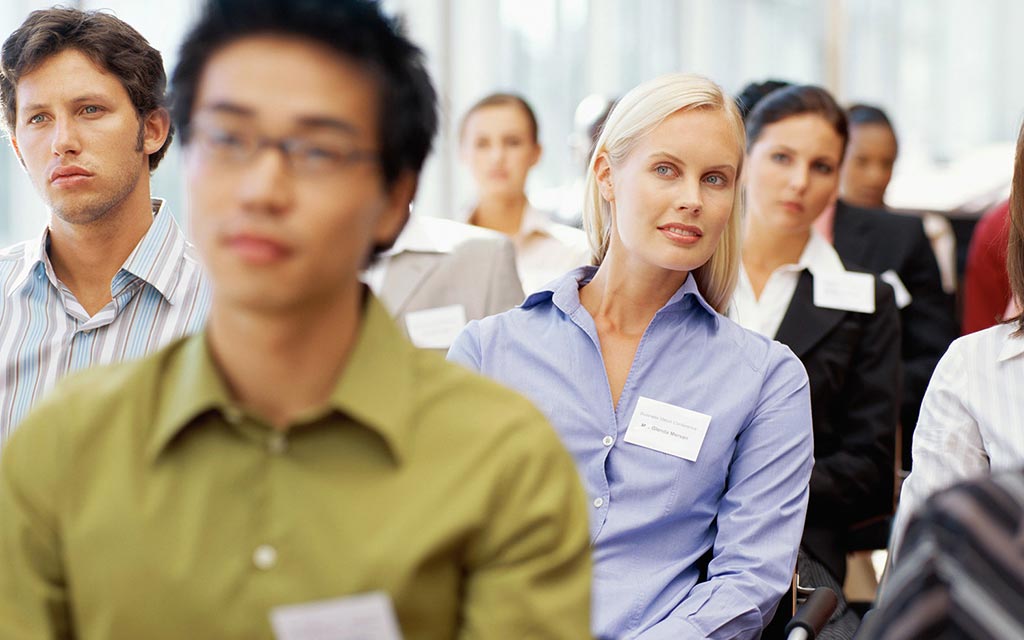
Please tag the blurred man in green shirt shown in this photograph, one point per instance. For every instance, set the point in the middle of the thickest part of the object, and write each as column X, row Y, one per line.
column 299, row 468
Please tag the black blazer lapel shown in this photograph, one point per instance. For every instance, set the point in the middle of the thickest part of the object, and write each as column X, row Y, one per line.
column 804, row 324
column 848, row 237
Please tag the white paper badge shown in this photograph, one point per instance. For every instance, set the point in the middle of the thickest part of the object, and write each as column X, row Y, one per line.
column 368, row 616
column 845, row 290
column 903, row 297
column 435, row 328
column 667, row 428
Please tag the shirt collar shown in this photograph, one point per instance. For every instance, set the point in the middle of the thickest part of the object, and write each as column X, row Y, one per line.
column 1013, row 345
column 820, row 257
column 155, row 260
column 564, row 292
column 34, row 260
column 420, row 237
column 376, row 388
column 534, row 221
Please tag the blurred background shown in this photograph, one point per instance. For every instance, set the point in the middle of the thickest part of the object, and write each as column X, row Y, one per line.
column 946, row 71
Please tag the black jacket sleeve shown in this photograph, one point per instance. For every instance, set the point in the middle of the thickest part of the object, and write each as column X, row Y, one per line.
column 853, row 471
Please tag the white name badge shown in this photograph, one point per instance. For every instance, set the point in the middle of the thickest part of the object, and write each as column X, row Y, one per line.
column 667, row 428
column 903, row 297
column 368, row 616
column 435, row 328
column 846, row 291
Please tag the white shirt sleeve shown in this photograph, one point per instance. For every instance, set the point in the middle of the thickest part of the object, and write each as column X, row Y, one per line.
column 948, row 444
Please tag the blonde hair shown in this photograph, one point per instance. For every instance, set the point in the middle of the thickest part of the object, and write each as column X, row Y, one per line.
column 634, row 116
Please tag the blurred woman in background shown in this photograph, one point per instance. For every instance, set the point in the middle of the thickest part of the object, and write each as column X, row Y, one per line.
column 867, row 170
column 500, row 144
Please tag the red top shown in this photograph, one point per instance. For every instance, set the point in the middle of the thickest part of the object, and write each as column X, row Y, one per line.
column 986, row 284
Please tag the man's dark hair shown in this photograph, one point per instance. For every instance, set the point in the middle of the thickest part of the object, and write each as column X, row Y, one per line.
column 794, row 101
column 356, row 30
column 109, row 42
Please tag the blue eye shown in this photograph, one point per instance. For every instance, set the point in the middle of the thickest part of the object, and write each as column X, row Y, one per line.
column 779, row 157
column 823, row 168
column 92, row 109
column 716, row 180
column 664, row 171
column 36, row 119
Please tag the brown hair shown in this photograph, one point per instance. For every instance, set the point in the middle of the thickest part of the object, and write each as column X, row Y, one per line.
column 796, row 100
column 107, row 41
column 500, row 100
column 1015, row 249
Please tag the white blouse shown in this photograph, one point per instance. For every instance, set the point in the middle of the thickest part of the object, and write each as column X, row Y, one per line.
column 972, row 419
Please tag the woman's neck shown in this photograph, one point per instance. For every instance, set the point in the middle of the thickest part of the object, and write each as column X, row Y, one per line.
column 503, row 214
column 626, row 293
column 766, row 248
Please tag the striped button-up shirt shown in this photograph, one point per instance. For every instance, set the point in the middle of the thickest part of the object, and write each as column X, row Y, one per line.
column 160, row 293
column 970, row 421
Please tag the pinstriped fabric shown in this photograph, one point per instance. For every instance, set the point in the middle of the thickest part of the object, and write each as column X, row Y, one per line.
column 961, row 574
column 159, row 294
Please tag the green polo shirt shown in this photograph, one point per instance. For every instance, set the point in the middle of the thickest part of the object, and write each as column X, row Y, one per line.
column 138, row 501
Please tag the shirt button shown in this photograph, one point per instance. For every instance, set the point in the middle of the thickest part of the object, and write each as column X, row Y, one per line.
column 598, row 502
column 608, row 441
column 232, row 415
column 278, row 443
column 264, row 557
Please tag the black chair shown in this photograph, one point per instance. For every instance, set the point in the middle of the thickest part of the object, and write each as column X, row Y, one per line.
column 802, row 614
column 812, row 614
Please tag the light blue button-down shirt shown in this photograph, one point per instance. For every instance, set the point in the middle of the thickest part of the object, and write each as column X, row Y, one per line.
column 653, row 515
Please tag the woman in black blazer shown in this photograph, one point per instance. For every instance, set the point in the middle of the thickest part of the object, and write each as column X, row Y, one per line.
column 843, row 324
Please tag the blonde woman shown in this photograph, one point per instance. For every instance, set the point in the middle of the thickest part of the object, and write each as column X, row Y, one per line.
column 692, row 435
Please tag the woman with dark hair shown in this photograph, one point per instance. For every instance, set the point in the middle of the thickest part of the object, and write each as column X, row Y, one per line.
column 973, row 410
column 842, row 324
column 870, row 157
column 500, row 145
column 867, row 170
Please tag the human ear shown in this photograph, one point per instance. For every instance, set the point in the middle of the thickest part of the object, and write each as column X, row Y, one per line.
column 156, row 126
column 603, row 173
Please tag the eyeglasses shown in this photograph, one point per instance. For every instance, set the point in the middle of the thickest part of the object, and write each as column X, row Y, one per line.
column 307, row 156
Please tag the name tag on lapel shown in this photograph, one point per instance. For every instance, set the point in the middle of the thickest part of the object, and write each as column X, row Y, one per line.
column 435, row 328
column 845, row 291
column 360, row 617
column 903, row 297
column 667, row 428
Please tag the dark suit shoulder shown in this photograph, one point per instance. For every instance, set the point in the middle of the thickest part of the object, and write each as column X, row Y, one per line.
column 877, row 220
